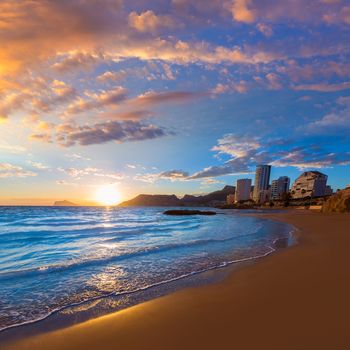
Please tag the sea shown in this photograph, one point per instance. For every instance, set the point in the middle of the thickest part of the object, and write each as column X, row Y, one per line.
column 82, row 262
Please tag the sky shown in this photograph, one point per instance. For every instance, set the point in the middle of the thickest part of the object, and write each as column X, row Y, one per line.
column 171, row 96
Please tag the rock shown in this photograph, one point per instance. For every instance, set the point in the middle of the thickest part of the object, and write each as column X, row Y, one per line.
column 339, row 202
column 189, row 212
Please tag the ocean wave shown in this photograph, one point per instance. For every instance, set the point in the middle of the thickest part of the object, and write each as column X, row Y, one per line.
column 137, row 290
column 91, row 260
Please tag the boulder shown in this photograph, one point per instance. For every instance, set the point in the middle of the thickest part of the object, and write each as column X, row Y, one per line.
column 189, row 212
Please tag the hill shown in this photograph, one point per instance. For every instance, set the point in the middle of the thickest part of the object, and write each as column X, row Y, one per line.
column 64, row 204
column 339, row 202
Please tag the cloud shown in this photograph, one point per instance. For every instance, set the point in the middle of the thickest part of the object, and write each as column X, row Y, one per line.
column 96, row 101
column 240, row 87
column 265, row 29
column 241, row 11
column 14, row 149
column 312, row 11
column 169, row 74
column 148, row 178
column 78, row 173
column 237, row 146
column 76, row 156
column 323, row 87
column 311, row 157
column 12, row 102
column 33, row 30
column 182, row 52
column 10, row 170
column 59, row 94
column 174, row 175
column 333, row 123
column 36, row 95
column 77, row 60
column 38, row 165
column 155, row 98
column 214, row 171
column 68, row 135
column 274, row 82
column 148, row 21
column 246, row 152
column 113, row 76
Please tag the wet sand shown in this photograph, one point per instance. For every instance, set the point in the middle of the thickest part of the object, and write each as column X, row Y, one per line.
column 298, row 298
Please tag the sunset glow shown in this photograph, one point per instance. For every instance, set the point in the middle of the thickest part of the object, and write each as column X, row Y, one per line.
column 169, row 96
column 107, row 195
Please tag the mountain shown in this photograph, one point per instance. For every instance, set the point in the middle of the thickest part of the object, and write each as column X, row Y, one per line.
column 147, row 200
column 219, row 196
column 64, row 204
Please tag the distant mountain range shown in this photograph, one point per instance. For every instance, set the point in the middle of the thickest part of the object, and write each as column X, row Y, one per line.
column 159, row 200
column 64, row 204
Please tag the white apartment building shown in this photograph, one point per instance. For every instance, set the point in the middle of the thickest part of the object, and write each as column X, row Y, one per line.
column 309, row 184
column 262, row 181
column 243, row 190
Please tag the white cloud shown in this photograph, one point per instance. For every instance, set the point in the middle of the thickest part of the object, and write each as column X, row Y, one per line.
column 10, row 170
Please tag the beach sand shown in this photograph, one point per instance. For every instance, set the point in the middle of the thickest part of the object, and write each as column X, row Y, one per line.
column 298, row 298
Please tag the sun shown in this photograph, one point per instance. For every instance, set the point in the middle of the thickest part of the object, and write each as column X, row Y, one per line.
column 107, row 195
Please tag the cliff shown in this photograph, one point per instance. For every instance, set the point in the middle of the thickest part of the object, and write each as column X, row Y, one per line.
column 339, row 202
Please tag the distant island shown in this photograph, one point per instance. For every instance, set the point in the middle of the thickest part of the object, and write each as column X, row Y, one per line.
column 64, row 204
column 148, row 200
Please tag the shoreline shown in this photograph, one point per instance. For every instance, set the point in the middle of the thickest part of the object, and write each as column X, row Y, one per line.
column 65, row 316
column 172, row 312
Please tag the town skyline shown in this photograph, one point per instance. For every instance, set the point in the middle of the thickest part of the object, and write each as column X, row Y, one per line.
column 111, row 99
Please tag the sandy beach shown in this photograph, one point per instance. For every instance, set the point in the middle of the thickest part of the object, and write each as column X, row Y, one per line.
column 297, row 298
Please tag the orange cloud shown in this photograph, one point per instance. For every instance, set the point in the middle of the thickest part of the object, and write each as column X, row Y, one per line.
column 241, row 11
column 148, row 21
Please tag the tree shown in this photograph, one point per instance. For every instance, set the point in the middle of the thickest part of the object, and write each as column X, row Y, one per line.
column 286, row 197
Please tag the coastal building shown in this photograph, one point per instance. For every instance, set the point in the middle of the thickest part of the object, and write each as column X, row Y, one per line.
column 243, row 190
column 329, row 191
column 309, row 184
column 262, row 181
column 279, row 187
column 230, row 199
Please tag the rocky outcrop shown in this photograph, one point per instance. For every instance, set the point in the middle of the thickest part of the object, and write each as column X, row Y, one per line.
column 338, row 203
column 189, row 212
column 64, row 204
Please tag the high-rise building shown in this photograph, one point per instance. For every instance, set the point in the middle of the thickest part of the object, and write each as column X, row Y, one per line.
column 262, row 181
column 279, row 187
column 310, row 184
column 243, row 190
